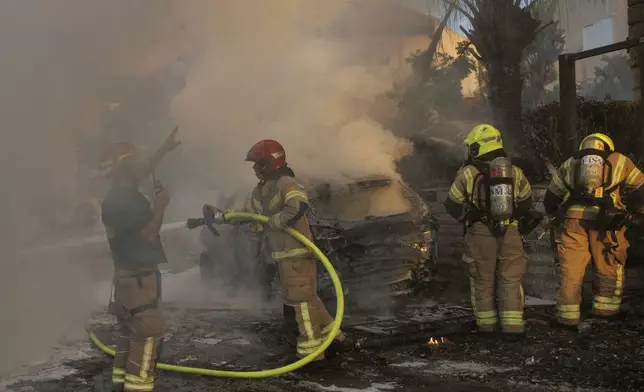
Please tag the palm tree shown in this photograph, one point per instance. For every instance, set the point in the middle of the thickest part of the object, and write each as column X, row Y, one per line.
column 611, row 81
column 501, row 30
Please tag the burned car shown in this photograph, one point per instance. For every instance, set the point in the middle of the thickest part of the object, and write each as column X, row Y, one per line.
column 378, row 233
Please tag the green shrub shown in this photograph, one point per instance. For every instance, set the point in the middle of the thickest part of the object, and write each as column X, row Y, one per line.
column 545, row 144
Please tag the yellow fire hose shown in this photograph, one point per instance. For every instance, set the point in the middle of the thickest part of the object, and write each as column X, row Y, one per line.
column 270, row 372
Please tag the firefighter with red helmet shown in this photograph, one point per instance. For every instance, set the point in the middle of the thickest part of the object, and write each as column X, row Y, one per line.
column 279, row 196
column 132, row 228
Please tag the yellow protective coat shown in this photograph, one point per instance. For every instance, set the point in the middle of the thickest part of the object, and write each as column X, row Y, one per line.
column 580, row 241
column 282, row 200
column 495, row 264
column 626, row 177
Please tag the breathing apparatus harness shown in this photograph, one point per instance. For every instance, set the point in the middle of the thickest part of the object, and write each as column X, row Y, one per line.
column 485, row 152
column 498, row 187
column 592, row 189
column 500, row 205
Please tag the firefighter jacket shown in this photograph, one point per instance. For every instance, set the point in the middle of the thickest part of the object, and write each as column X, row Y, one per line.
column 286, row 202
column 626, row 178
column 468, row 188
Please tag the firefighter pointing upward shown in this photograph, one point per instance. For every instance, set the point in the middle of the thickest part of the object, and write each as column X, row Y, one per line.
column 587, row 195
column 489, row 195
column 132, row 228
column 280, row 197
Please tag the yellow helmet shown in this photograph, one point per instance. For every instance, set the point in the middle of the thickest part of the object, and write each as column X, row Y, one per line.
column 483, row 139
column 597, row 141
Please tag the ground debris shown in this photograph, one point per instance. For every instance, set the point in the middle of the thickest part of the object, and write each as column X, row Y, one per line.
column 607, row 356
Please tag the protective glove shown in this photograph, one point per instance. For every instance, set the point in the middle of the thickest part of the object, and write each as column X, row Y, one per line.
column 613, row 218
column 473, row 215
column 275, row 222
column 217, row 215
column 529, row 221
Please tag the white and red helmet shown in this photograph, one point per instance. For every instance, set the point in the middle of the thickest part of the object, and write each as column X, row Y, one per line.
column 268, row 153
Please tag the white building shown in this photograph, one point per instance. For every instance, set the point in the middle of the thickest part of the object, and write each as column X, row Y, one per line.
column 591, row 24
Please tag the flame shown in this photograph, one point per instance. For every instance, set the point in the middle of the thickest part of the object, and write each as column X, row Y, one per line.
column 435, row 342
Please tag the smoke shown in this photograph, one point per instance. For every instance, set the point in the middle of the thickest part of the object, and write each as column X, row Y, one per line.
column 58, row 61
column 45, row 302
column 273, row 78
column 255, row 70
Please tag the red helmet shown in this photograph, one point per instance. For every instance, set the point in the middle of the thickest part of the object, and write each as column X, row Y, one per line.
column 269, row 153
column 112, row 154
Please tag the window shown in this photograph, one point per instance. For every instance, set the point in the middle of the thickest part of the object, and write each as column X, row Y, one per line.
column 598, row 34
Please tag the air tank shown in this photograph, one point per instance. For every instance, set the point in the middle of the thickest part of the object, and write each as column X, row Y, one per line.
column 591, row 173
column 501, row 190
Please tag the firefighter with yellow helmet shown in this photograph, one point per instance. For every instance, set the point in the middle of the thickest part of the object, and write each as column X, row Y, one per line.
column 490, row 195
column 590, row 198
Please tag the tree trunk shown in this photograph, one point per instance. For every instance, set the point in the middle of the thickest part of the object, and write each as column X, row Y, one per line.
column 504, row 94
column 636, row 30
column 501, row 30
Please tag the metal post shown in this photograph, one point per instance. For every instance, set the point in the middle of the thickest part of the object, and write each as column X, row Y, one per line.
column 640, row 61
column 568, row 101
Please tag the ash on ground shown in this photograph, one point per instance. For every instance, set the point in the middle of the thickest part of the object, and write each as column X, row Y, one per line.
column 603, row 357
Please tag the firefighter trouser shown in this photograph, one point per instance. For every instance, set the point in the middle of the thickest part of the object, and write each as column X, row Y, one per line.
column 299, row 284
column 140, row 327
column 577, row 243
column 496, row 266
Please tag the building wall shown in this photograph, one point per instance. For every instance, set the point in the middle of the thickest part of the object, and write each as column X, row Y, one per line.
column 589, row 24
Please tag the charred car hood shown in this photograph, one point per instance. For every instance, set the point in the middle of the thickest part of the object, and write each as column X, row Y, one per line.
column 400, row 229
column 389, row 254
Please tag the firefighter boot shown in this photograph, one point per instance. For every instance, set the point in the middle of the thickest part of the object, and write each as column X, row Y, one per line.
column 341, row 346
column 555, row 323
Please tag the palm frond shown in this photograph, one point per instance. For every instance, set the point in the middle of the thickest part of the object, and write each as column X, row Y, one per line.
column 555, row 8
column 562, row 8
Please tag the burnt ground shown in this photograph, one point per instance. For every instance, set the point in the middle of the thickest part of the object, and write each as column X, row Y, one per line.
column 605, row 356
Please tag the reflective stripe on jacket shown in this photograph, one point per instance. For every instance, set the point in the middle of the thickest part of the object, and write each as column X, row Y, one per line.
column 626, row 177
column 285, row 201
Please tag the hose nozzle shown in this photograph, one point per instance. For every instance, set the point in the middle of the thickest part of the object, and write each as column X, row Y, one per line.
column 193, row 223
